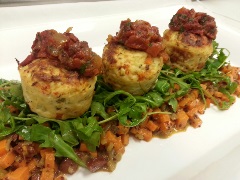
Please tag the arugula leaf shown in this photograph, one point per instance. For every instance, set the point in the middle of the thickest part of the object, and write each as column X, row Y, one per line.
column 11, row 93
column 110, row 99
column 24, row 132
column 227, row 104
column 48, row 138
column 125, row 106
column 87, row 130
column 63, row 149
column 7, row 123
column 67, row 133
column 137, row 114
column 97, row 108
column 79, row 129
column 156, row 98
column 162, row 86
column 217, row 59
column 40, row 133
column 173, row 103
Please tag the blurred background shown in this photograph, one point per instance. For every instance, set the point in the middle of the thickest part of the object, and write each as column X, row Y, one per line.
column 39, row 2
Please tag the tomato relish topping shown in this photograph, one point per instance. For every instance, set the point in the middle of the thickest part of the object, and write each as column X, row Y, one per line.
column 198, row 23
column 71, row 53
column 139, row 35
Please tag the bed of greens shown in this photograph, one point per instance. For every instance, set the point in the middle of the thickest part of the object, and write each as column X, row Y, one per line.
column 130, row 110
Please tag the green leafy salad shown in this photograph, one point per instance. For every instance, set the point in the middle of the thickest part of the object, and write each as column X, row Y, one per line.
column 130, row 110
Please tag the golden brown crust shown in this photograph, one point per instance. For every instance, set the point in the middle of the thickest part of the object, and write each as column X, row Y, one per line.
column 187, row 52
column 130, row 70
column 55, row 92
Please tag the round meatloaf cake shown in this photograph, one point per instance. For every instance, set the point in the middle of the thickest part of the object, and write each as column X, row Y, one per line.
column 188, row 41
column 54, row 92
column 132, row 60
column 59, row 75
column 183, row 55
column 130, row 70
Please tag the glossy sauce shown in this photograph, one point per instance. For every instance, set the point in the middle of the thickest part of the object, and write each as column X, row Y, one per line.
column 197, row 23
column 71, row 53
column 139, row 35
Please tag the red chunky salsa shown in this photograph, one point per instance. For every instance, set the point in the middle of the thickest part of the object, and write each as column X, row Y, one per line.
column 71, row 53
column 139, row 35
column 198, row 23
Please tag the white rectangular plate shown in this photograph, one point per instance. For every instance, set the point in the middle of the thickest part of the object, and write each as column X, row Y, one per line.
column 209, row 152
